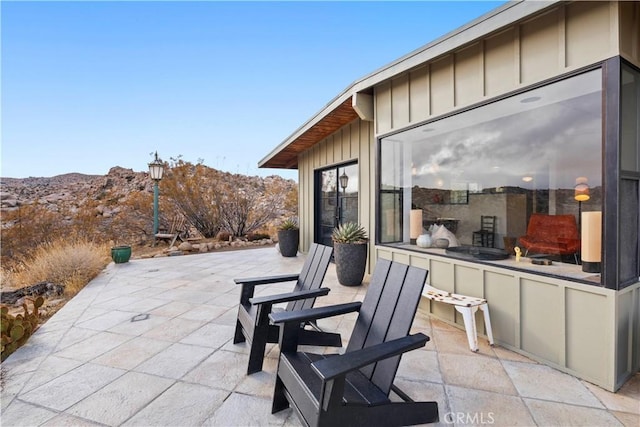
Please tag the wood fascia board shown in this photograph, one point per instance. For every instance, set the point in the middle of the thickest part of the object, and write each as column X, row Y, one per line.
column 317, row 118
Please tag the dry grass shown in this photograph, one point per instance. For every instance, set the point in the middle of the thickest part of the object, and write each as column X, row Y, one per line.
column 69, row 263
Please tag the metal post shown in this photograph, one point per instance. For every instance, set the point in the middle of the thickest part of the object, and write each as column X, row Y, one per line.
column 156, row 170
column 155, row 209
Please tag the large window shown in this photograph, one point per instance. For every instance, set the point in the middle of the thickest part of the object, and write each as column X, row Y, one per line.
column 537, row 152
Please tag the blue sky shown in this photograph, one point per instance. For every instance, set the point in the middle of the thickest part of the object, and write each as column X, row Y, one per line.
column 91, row 85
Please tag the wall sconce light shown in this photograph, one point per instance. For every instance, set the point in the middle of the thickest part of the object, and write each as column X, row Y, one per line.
column 591, row 241
column 344, row 181
column 415, row 224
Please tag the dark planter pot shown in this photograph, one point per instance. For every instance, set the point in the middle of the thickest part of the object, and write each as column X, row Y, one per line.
column 351, row 262
column 288, row 241
column 120, row 254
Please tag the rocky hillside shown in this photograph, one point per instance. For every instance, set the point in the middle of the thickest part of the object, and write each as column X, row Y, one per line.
column 73, row 190
column 108, row 198
column 69, row 191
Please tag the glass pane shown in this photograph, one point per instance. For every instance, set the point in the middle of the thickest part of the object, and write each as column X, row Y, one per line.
column 337, row 200
column 348, row 195
column 327, row 206
column 390, row 227
column 536, row 152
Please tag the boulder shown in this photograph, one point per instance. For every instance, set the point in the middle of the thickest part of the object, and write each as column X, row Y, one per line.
column 185, row 246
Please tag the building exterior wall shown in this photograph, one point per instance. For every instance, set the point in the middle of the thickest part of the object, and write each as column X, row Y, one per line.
column 565, row 38
column 353, row 142
column 589, row 331
column 564, row 324
column 627, row 332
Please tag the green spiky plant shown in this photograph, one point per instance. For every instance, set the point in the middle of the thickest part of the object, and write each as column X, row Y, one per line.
column 17, row 329
column 288, row 224
column 350, row 232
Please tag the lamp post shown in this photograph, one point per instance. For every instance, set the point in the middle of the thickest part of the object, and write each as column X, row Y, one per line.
column 156, row 170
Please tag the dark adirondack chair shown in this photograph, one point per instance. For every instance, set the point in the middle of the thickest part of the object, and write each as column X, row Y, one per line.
column 354, row 388
column 253, row 313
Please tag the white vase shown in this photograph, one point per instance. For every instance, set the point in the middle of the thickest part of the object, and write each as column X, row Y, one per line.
column 424, row 240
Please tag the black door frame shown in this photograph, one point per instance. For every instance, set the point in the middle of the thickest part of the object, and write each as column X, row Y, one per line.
column 338, row 202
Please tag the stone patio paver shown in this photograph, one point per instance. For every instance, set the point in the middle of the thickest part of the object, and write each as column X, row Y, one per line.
column 182, row 404
column 479, row 407
column 91, row 365
column 121, row 399
column 543, row 382
column 71, row 387
column 175, row 361
column 554, row 413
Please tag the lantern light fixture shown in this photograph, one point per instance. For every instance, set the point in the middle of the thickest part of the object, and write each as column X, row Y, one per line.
column 156, row 168
column 344, row 180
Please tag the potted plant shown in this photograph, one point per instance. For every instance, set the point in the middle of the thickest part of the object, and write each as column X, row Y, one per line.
column 121, row 254
column 350, row 245
column 289, row 237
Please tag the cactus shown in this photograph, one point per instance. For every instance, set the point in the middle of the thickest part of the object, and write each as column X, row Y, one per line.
column 17, row 329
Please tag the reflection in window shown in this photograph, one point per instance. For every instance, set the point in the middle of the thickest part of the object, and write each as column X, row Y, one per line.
column 535, row 152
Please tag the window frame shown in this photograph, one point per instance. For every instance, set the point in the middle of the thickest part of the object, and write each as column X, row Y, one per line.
column 610, row 105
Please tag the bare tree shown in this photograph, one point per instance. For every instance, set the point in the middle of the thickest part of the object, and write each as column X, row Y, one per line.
column 253, row 205
column 193, row 190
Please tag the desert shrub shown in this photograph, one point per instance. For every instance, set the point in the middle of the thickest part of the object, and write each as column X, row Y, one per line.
column 134, row 222
column 69, row 263
column 250, row 205
column 27, row 227
column 214, row 201
column 193, row 190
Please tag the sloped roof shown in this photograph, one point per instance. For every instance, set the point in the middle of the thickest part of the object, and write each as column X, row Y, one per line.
column 286, row 156
column 340, row 111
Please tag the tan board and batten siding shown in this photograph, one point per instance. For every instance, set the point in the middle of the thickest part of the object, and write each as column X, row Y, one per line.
column 555, row 42
column 588, row 331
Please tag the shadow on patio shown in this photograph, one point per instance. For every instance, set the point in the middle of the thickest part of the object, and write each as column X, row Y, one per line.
column 150, row 343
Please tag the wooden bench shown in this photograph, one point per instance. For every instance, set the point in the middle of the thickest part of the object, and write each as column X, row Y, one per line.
column 467, row 306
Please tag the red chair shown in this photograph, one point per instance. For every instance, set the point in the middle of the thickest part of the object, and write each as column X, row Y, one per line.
column 552, row 234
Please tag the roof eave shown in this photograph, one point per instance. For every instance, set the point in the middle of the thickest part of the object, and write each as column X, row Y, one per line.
column 490, row 22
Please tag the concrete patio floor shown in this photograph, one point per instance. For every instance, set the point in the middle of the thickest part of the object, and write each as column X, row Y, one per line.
column 149, row 343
